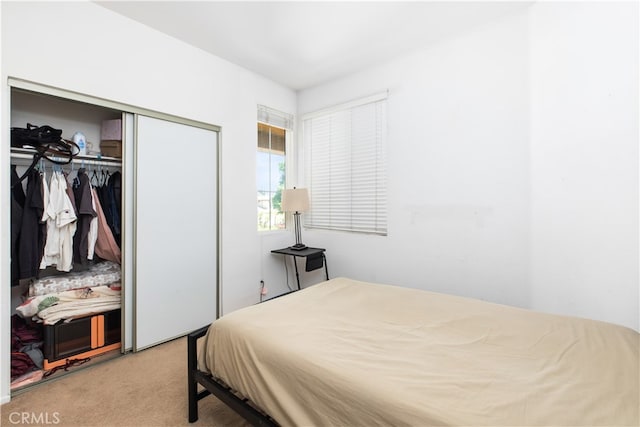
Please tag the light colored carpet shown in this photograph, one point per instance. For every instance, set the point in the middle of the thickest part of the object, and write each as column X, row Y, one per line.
column 145, row 389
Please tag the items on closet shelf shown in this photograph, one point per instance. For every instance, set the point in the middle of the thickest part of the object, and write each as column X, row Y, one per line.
column 79, row 313
column 68, row 305
column 105, row 273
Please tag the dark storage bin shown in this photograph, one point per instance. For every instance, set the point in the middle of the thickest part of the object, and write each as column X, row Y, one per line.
column 83, row 337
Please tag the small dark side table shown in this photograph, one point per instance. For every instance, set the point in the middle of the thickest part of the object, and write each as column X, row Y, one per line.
column 313, row 257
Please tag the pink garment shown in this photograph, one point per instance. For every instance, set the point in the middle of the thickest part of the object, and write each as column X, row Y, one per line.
column 106, row 246
column 28, row 378
column 72, row 197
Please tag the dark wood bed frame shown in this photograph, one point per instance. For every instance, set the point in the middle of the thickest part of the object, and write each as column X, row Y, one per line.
column 212, row 386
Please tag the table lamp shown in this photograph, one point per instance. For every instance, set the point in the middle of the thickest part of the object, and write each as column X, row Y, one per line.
column 296, row 200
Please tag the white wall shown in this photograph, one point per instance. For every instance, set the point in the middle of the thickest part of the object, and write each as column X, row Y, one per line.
column 513, row 164
column 458, row 218
column 584, row 159
column 86, row 48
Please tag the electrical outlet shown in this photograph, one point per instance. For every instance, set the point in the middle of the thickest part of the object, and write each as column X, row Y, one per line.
column 263, row 288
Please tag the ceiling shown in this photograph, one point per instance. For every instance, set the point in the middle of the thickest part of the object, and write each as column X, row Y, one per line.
column 301, row 44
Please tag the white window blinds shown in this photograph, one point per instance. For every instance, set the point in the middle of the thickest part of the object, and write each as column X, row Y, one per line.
column 275, row 118
column 345, row 155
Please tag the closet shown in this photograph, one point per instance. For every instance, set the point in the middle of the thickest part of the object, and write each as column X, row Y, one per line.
column 166, row 277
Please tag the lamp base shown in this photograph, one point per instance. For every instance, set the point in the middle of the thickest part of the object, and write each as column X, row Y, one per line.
column 298, row 247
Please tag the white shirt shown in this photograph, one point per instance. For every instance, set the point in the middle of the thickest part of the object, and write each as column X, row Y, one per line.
column 61, row 226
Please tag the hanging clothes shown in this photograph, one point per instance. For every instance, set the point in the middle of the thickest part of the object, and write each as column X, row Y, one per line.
column 32, row 230
column 17, row 206
column 114, row 190
column 101, row 192
column 45, row 203
column 86, row 213
column 93, row 228
column 106, row 247
column 109, row 185
column 70, row 194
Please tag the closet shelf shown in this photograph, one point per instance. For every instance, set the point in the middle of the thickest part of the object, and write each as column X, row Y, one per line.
column 27, row 154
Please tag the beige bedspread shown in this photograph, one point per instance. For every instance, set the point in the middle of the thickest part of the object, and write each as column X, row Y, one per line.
column 348, row 353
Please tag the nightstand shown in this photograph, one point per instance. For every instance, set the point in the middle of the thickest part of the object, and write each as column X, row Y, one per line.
column 314, row 259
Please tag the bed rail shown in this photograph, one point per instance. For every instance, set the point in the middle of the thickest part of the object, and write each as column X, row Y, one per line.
column 192, row 368
column 218, row 389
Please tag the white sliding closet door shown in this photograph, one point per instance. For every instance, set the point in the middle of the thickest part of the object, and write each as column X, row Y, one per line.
column 176, row 230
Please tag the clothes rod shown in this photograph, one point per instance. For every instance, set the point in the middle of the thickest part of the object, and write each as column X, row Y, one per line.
column 104, row 161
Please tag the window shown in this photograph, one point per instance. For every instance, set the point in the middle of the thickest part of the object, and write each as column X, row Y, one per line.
column 345, row 156
column 273, row 134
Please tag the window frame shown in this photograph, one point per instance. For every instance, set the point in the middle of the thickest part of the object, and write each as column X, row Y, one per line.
column 284, row 121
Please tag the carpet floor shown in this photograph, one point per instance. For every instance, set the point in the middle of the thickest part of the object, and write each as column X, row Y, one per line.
column 144, row 389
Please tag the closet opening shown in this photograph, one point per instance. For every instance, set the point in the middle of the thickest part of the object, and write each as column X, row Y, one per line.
column 66, row 238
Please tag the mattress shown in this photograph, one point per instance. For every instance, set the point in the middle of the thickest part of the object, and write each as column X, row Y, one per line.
column 352, row 353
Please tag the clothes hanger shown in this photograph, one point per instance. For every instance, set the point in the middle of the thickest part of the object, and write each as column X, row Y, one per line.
column 94, row 175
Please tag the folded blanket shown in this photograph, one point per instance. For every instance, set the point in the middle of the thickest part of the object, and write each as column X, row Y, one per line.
column 69, row 305
column 103, row 273
column 71, row 310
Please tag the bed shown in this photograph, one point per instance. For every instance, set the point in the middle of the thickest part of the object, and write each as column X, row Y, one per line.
column 345, row 352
